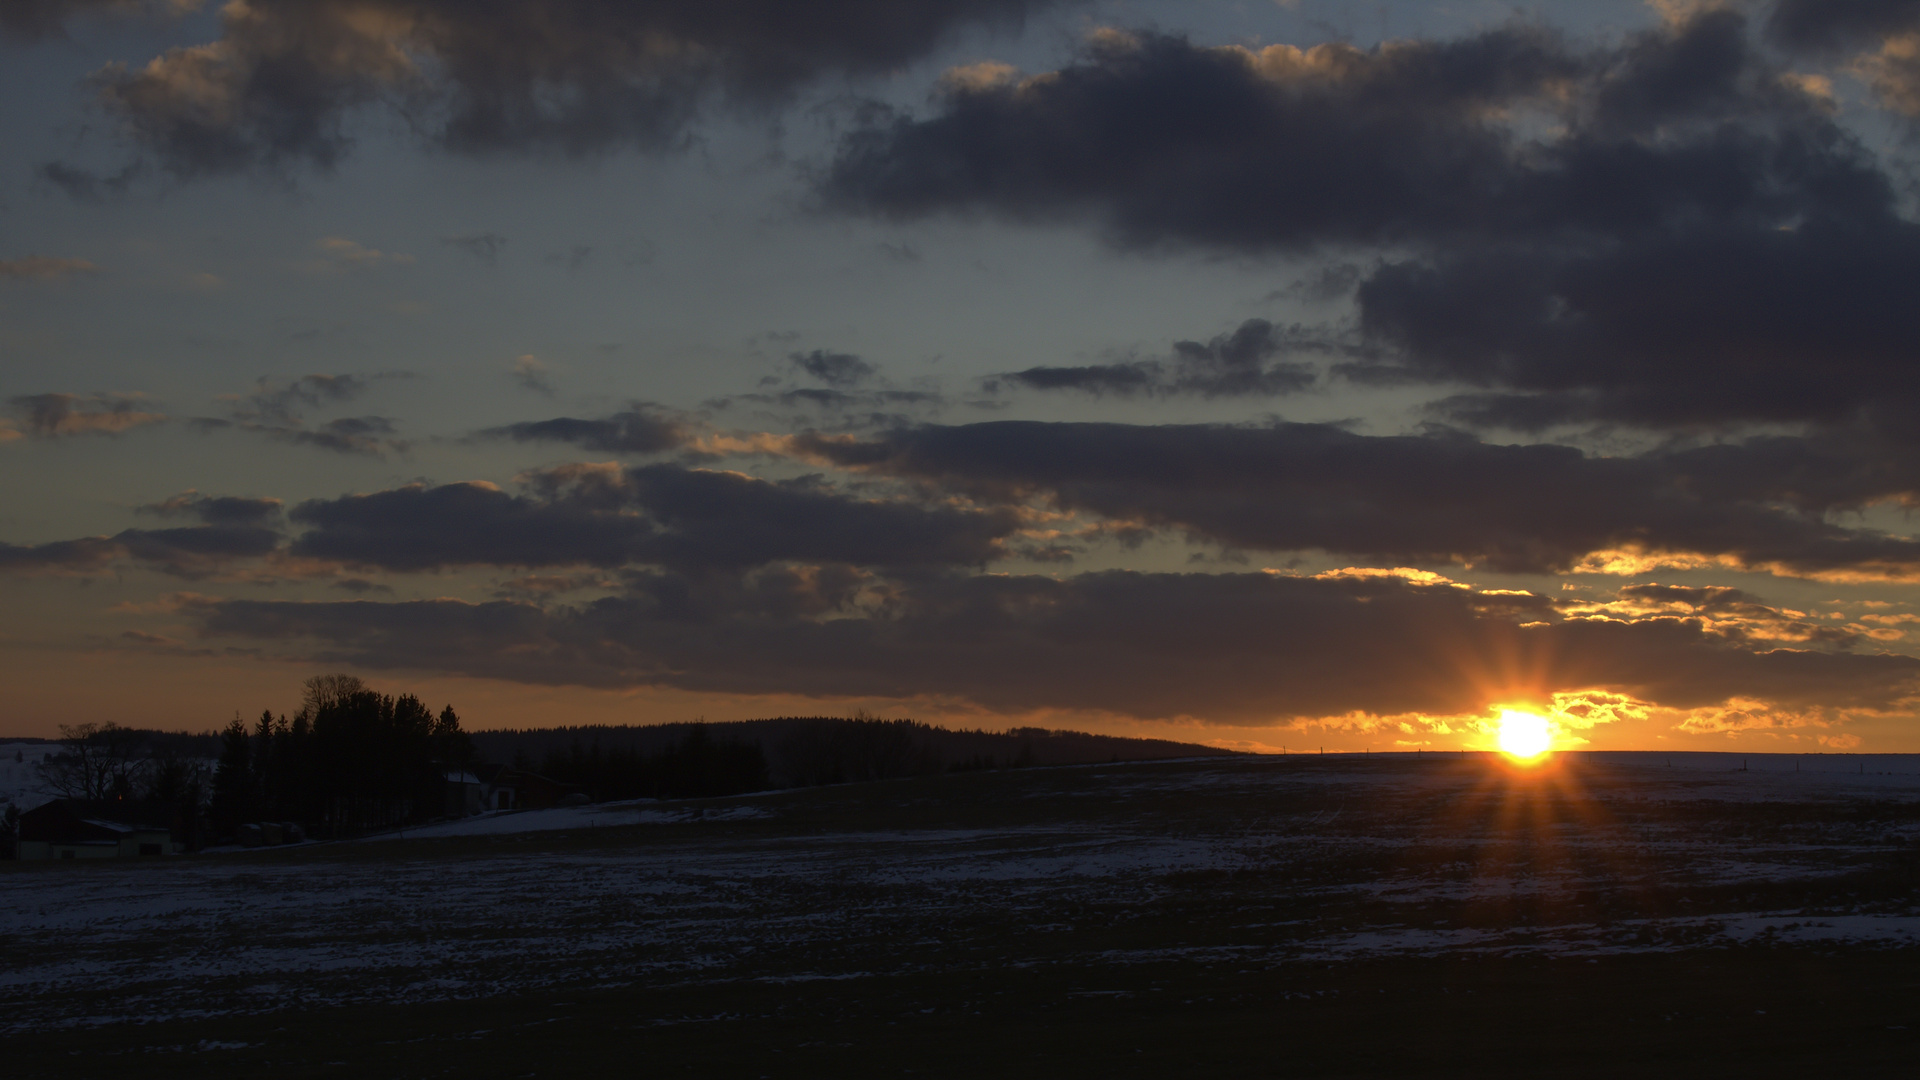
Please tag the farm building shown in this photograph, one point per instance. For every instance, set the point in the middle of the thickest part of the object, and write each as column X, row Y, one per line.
column 490, row 786
column 77, row 829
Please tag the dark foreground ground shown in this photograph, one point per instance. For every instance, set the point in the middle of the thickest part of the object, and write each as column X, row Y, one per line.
column 1442, row 916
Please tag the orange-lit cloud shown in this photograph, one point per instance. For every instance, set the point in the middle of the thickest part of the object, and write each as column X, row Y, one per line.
column 43, row 268
column 51, row 416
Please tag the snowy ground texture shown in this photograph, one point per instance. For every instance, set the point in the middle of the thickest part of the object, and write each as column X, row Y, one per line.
column 1249, row 862
column 21, row 784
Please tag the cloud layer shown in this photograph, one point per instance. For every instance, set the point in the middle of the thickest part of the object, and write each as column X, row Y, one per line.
column 283, row 82
column 1234, row 648
column 1419, row 499
column 1667, row 233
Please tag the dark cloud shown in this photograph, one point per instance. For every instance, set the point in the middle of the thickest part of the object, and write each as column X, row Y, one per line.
column 1710, row 326
column 1695, row 241
column 85, row 186
column 90, row 553
column 1422, row 500
column 192, row 552
column 1121, row 380
column 282, row 403
column 52, row 416
column 1233, row 648
column 31, row 20
column 217, row 509
column 839, row 370
column 482, row 246
column 1230, row 365
column 1162, row 141
column 233, row 530
column 279, row 412
column 425, row 528
column 1707, row 598
column 573, row 76
column 605, row 516
column 641, row 429
column 1888, row 31
column 1834, row 25
column 827, row 409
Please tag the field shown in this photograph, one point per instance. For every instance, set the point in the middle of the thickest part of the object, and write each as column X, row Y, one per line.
column 1386, row 915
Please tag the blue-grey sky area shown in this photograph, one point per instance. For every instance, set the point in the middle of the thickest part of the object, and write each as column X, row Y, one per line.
column 1265, row 374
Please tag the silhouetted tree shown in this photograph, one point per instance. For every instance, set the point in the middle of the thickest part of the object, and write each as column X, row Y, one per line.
column 233, row 780
column 450, row 744
column 326, row 691
column 96, row 761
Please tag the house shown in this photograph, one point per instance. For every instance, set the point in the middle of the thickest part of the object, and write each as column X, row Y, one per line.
column 517, row 789
column 79, row 829
column 466, row 795
column 491, row 786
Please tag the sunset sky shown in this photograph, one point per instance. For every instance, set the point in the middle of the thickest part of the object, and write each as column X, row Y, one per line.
column 1264, row 374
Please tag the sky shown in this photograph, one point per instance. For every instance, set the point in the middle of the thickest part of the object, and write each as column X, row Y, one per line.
column 1271, row 375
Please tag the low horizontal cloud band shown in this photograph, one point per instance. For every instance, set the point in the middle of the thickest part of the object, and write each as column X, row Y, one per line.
column 1233, row 648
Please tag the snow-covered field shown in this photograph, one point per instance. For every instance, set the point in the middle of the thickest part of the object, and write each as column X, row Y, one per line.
column 20, row 782
column 1248, row 862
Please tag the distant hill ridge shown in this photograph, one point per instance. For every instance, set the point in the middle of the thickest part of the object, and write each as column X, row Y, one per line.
column 807, row 750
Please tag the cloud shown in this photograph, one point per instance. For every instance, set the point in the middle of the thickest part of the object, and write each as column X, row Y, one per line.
column 193, row 552
column 83, row 185
column 282, row 403
column 1230, row 648
column 531, row 373
column 279, row 411
column 42, row 268
column 1709, row 326
column 641, row 429
column 603, row 515
column 52, row 416
column 31, row 20
column 482, row 246
column 281, row 84
column 1162, row 141
column 1230, row 365
column 839, row 370
column 1670, row 232
column 1512, row 135
column 217, row 509
column 1884, row 35
column 1836, row 25
column 340, row 252
column 693, row 522
column 1435, row 499
column 823, row 408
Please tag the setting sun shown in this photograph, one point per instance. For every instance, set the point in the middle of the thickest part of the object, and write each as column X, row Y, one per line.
column 1524, row 735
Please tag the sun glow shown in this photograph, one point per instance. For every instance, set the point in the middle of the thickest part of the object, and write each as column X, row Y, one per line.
column 1524, row 736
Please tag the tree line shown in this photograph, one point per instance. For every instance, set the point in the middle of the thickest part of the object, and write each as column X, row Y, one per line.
column 350, row 760
column 803, row 751
column 695, row 767
column 109, row 763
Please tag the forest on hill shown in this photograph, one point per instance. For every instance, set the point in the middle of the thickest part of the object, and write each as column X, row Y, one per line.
column 354, row 760
column 804, row 751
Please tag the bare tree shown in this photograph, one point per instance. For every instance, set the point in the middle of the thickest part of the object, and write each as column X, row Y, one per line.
column 96, row 761
column 322, row 691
